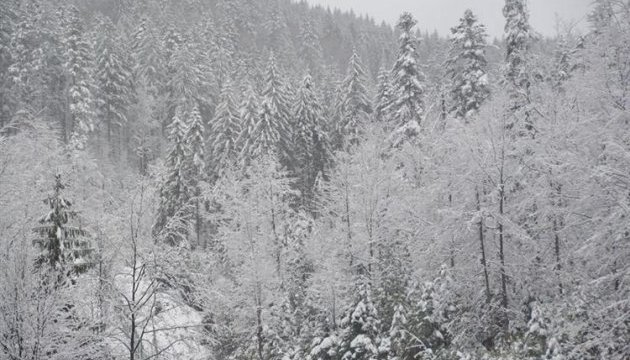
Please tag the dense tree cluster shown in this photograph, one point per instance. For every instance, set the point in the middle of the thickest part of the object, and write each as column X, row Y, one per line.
column 267, row 180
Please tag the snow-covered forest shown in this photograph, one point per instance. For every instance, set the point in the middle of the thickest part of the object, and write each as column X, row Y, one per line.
column 266, row 180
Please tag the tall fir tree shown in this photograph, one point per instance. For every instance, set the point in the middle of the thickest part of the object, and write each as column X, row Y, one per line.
column 146, row 50
column 355, row 103
column 407, row 108
column 8, row 25
column 196, row 164
column 188, row 84
column 273, row 132
column 249, row 113
column 310, row 145
column 518, row 39
column 360, row 326
column 225, row 129
column 310, row 50
column 172, row 216
column 79, row 70
column 467, row 65
column 384, row 97
column 28, row 58
column 64, row 245
column 115, row 87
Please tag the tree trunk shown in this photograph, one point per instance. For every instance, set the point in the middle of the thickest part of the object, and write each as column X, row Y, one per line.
column 504, row 295
column 484, row 263
column 259, row 325
column 348, row 227
column 558, row 223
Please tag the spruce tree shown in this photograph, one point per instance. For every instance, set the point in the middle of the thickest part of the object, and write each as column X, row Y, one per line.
column 518, row 39
column 196, row 163
column 188, row 84
column 273, row 132
column 311, row 148
column 399, row 339
column 172, row 217
column 467, row 65
column 114, row 82
column 8, row 23
column 64, row 246
column 310, row 48
column 360, row 327
column 355, row 103
column 78, row 67
column 146, row 51
column 250, row 115
column 28, row 59
column 225, row 129
column 384, row 97
column 407, row 108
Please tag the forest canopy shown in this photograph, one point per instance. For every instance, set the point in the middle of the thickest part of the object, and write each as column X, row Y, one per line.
column 264, row 179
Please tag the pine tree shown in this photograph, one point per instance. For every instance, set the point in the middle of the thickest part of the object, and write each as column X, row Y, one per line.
column 399, row 340
column 225, row 129
column 360, row 327
column 249, row 114
column 64, row 246
column 188, row 84
column 195, row 141
column 8, row 25
column 384, row 97
column 431, row 309
column 518, row 38
column 196, row 164
column 467, row 66
column 171, row 223
column 273, row 133
column 310, row 48
column 325, row 344
column 407, row 78
column 28, row 59
column 355, row 103
column 146, row 51
column 311, row 148
column 79, row 69
column 114, row 82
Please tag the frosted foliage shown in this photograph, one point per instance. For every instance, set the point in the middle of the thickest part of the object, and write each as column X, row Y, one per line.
column 274, row 180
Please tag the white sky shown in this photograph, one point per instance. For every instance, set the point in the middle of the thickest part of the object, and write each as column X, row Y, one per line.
column 441, row 15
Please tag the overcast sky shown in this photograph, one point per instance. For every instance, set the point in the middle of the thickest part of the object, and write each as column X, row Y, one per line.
column 441, row 15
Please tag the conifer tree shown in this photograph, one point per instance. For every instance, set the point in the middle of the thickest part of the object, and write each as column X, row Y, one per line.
column 114, row 82
column 360, row 327
column 310, row 48
column 355, row 103
column 466, row 65
column 225, row 129
column 8, row 23
column 79, row 69
column 407, row 108
column 273, row 133
column 196, row 163
column 310, row 143
column 64, row 246
column 146, row 51
column 188, row 84
column 249, row 114
column 399, row 339
column 26, row 69
column 384, row 96
column 518, row 38
column 172, row 217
